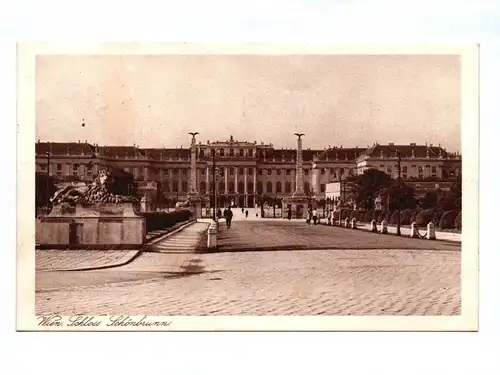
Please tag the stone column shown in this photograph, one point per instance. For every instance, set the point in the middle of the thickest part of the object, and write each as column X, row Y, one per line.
column 225, row 179
column 315, row 179
column 254, row 186
column 208, row 179
column 236, row 192
column 246, row 187
column 299, row 177
column 192, row 180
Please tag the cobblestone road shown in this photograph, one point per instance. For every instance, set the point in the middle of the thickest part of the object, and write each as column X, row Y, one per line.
column 389, row 281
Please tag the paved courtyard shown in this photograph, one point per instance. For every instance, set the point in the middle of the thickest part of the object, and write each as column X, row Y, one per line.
column 360, row 274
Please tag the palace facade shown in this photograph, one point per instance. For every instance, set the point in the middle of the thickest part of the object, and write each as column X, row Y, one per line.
column 246, row 173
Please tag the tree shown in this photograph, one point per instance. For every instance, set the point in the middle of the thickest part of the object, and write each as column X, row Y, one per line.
column 42, row 182
column 367, row 186
column 403, row 195
column 430, row 200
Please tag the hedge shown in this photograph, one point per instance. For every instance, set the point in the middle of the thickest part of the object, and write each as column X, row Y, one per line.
column 369, row 216
column 424, row 217
column 381, row 216
column 405, row 217
column 458, row 221
column 447, row 221
column 436, row 217
column 162, row 220
column 394, row 218
column 345, row 213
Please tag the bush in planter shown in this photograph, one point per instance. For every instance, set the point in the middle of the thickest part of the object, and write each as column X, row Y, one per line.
column 369, row 216
column 381, row 216
column 405, row 217
column 394, row 218
column 336, row 215
column 458, row 221
column 436, row 217
column 162, row 220
column 388, row 216
column 424, row 217
column 361, row 215
column 345, row 213
column 354, row 215
column 447, row 221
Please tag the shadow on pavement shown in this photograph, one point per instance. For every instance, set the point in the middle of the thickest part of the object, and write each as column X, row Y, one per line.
column 229, row 249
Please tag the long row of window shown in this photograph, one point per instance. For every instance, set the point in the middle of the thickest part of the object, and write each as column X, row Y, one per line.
column 221, row 187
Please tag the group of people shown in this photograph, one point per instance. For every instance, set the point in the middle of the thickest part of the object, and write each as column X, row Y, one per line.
column 312, row 215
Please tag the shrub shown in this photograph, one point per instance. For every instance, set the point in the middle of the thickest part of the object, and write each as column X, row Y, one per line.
column 345, row 213
column 424, row 217
column 394, row 218
column 458, row 221
column 435, row 218
column 370, row 214
column 354, row 215
column 388, row 216
column 361, row 215
column 405, row 217
column 447, row 221
column 381, row 216
column 336, row 215
column 376, row 214
column 162, row 220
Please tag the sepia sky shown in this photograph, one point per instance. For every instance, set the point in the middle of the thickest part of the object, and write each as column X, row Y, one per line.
column 154, row 101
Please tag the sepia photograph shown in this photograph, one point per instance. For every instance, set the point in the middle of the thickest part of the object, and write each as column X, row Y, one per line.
column 162, row 185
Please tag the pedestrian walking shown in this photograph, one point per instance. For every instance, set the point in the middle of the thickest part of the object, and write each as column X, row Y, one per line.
column 315, row 216
column 289, row 214
column 329, row 217
column 309, row 217
column 229, row 217
column 246, row 214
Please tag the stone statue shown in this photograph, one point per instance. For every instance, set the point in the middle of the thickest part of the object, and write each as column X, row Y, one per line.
column 185, row 204
column 101, row 190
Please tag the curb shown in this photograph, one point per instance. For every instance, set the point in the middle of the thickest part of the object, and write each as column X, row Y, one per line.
column 114, row 265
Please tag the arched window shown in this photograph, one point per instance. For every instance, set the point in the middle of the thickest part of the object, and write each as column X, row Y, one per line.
column 231, row 152
column 250, row 187
column 250, row 152
column 184, row 186
column 175, row 186
column 259, row 187
column 222, row 187
column 242, row 152
column 278, row 187
column 202, row 153
column 203, row 187
column 241, row 187
column 269, row 187
column 288, row 187
column 231, row 186
column 306, row 187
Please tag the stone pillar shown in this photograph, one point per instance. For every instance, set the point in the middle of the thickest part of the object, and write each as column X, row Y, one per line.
column 299, row 177
column 384, row 230
column 192, row 180
column 431, row 231
column 254, row 186
column 207, row 177
column 236, row 192
column 246, row 186
column 315, row 179
column 225, row 179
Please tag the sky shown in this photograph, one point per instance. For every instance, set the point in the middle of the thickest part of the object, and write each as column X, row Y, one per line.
column 155, row 100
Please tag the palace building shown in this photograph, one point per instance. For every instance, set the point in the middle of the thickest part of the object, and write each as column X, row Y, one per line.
column 246, row 173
